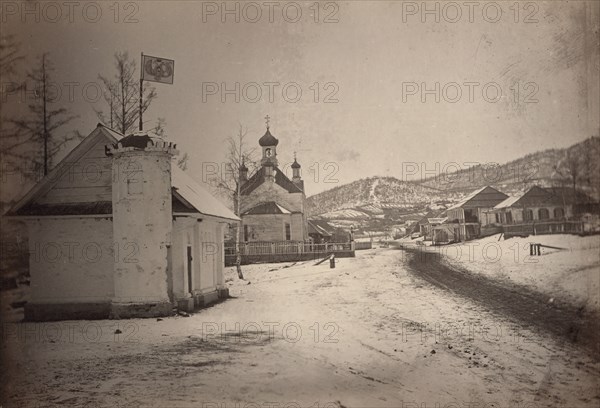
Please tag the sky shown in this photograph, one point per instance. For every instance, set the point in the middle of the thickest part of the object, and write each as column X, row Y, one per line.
column 383, row 84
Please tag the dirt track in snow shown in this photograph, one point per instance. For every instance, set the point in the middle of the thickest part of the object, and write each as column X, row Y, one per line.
column 516, row 302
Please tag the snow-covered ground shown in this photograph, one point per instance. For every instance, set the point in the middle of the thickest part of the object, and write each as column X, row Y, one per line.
column 571, row 274
column 365, row 334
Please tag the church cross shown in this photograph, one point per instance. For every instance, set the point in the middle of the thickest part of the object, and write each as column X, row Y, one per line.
column 267, row 119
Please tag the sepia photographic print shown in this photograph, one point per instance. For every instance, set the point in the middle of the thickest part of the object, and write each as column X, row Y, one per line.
column 300, row 204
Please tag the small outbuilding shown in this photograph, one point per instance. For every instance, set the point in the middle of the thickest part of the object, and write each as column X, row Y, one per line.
column 116, row 231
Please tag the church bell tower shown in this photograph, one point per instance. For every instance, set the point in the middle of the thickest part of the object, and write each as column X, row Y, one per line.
column 269, row 143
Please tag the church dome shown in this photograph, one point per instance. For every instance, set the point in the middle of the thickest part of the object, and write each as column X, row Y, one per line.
column 268, row 139
column 295, row 165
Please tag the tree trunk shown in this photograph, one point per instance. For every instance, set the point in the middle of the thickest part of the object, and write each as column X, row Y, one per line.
column 238, row 255
column 45, row 118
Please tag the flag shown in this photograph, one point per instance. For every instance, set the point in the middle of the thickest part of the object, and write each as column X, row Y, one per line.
column 157, row 69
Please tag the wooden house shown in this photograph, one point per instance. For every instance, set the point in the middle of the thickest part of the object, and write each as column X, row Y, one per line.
column 474, row 212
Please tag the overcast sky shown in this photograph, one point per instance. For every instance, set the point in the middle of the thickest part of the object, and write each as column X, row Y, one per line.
column 370, row 61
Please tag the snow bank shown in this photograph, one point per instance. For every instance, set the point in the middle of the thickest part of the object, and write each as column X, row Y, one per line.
column 571, row 273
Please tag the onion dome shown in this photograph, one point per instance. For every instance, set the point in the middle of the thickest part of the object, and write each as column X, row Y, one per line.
column 268, row 139
column 295, row 165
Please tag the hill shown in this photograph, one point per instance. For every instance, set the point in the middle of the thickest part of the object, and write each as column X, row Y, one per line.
column 378, row 203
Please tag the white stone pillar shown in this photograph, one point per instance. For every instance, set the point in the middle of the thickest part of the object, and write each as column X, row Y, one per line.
column 142, row 225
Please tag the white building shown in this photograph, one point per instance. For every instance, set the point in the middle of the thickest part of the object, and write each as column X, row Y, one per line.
column 116, row 231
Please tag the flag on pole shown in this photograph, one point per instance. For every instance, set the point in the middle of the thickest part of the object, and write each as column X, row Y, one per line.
column 157, row 69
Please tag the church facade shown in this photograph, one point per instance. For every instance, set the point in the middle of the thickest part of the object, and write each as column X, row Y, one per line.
column 272, row 207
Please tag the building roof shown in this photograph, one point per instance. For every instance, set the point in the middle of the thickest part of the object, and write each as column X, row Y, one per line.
column 258, row 178
column 507, row 203
column 485, row 197
column 424, row 220
column 194, row 197
column 268, row 139
column 539, row 196
column 319, row 227
column 269, row 207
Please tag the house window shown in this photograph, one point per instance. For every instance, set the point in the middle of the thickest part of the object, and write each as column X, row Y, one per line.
column 245, row 233
column 509, row 219
column 288, row 232
column 559, row 213
column 528, row 215
column 543, row 214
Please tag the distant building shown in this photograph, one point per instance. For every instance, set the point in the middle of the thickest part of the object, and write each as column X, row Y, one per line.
column 474, row 212
column 271, row 205
column 116, row 231
column 321, row 232
column 544, row 204
column 426, row 224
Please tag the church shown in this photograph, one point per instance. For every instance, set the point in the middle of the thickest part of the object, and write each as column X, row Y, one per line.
column 272, row 207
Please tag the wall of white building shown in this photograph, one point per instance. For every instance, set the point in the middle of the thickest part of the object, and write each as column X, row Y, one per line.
column 72, row 259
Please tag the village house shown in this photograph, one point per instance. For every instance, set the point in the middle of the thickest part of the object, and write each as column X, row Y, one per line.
column 473, row 213
column 116, row 231
column 427, row 224
column 553, row 209
column 272, row 205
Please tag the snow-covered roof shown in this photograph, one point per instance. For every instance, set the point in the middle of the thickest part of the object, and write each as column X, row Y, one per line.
column 484, row 197
column 198, row 196
column 508, row 202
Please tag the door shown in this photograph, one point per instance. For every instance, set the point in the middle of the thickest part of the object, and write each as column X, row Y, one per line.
column 169, row 274
column 189, row 267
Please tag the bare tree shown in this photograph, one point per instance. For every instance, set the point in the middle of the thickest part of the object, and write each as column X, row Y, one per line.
column 569, row 169
column 10, row 56
column 122, row 96
column 10, row 59
column 37, row 130
column 227, row 182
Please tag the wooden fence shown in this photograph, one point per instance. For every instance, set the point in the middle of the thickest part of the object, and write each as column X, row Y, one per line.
column 286, row 251
column 544, row 227
column 359, row 246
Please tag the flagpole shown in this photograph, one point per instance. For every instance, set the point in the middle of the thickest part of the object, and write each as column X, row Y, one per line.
column 141, row 90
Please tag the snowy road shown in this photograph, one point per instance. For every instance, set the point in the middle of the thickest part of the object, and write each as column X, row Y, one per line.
column 514, row 301
column 365, row 334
